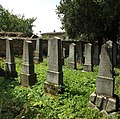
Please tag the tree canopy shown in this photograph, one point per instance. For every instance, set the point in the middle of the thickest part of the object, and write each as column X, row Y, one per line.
column 92, row 18
column 15, row 23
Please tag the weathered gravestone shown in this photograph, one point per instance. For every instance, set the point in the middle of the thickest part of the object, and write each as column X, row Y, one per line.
column 96, row 54
column 88, row 66
column 80, row 53
column 28, row 77
column 72, row 56
column 104, row 98
column 38, row 52
column 54, row 82
column 10, row 68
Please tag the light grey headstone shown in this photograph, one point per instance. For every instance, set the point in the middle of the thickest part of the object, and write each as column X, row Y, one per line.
column 54, row 72
column 10, row 67
column 28, row 77
column 72, row 56
column 38, row 52
column 88, row 66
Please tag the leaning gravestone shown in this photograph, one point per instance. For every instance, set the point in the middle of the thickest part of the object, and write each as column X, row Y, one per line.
column 54, row 82
column 28, row 77
column 104, row 98
column 38, row 52
column 72, row 56
column 88, row 66
column 10, row 68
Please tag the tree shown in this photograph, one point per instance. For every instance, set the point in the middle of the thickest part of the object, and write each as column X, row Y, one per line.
column 15, row 23
column 91, row 18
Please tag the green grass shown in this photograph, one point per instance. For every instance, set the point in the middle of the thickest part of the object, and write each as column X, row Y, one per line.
column 18, row 102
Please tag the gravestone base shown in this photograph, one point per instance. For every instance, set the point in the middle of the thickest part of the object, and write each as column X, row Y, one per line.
column 88, row 68
column 37, row 58
column 72, row 65
column 10, row 75
column 28, row 79
column 102, row 102
column 53, row 88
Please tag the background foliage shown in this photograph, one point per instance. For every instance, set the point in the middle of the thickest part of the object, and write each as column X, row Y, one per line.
column 94, row 18
column 15, row 23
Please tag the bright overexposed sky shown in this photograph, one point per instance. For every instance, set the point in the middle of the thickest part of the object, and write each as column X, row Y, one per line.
column 43, row 10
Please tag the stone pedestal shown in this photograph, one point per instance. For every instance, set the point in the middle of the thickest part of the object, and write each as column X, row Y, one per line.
column 72, row 56
column 38, row 52
column 103, row 102
column 88, row 66
column 28, row 77
column 10, row 68
column 54, row 82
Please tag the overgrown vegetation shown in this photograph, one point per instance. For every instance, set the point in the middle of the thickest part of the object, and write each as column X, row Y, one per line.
column 18, row 102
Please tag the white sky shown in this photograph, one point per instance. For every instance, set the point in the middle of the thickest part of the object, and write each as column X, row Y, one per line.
column 43, row 10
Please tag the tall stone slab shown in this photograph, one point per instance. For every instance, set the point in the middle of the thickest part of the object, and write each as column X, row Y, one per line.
column 38, row 52
column 88, row 66
column 80, row 53
column 72, row 56
column 54, row 82
column 28, row 77
column 10, row 67
column 104, row 97
column 96, row 54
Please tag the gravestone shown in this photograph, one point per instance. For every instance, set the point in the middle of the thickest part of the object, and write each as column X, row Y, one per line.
column 28, row 77
column 10, row 68
column 88, row 66
column 72, row 56
column 96, row 54
column 104, row 97
column 38, row 52
column 54, row 82
column 80, row 53
column 63, row 56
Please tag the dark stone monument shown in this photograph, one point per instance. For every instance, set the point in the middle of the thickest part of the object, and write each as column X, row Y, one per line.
column 96, row 54
column 2, row 73
column 72, row 56
column 28, row 77
column 88, row 66
column 54, row 82
column 10, row 68
column 115, row 54
column 104, row 97
column 80, row 53
column 38, row 52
